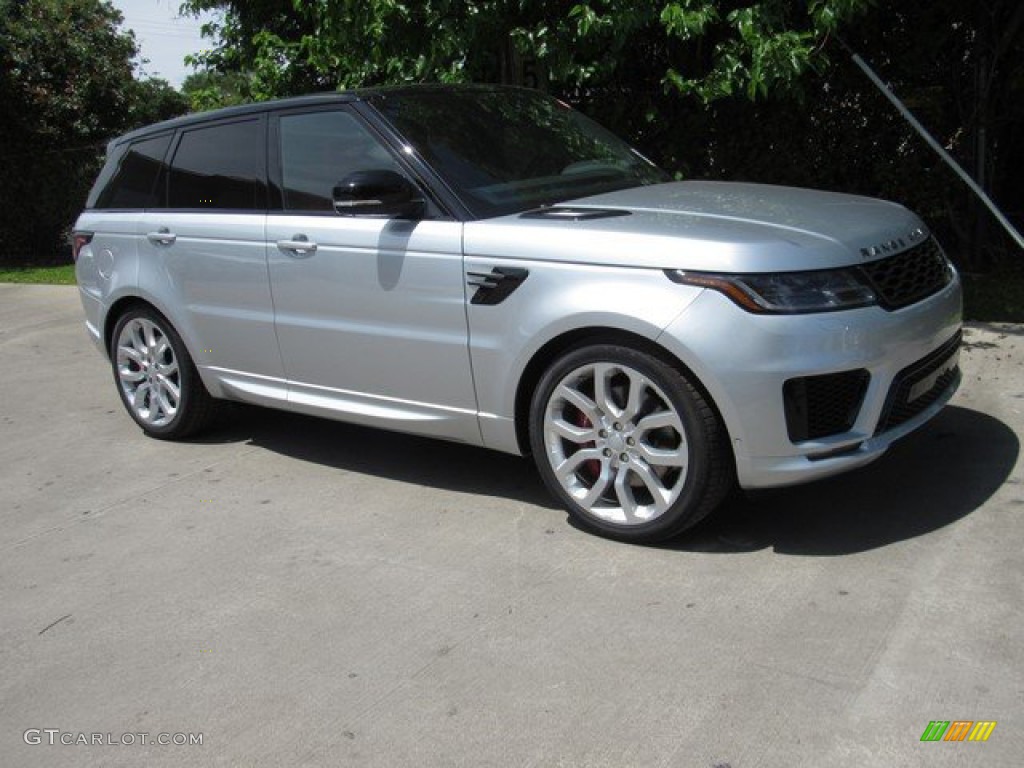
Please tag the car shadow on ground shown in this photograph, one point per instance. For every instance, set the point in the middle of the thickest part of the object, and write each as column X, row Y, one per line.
column 930, row 479
column 380, row 453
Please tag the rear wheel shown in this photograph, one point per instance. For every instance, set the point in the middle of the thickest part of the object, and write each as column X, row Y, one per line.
column 628, row 444
column 156, row 378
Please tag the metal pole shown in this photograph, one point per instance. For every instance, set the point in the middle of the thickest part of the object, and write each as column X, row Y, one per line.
column 909, row 117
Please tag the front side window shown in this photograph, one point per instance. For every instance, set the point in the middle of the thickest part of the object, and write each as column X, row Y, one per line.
column 134, row 185
column 319, row 149
column 220, row 167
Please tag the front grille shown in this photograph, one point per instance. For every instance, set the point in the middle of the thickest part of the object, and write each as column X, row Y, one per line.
column 903, row 402
column 819, row 406
column 908, row 277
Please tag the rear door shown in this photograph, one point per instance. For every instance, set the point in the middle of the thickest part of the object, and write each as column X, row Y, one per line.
column 370, row 312
column 205, row 253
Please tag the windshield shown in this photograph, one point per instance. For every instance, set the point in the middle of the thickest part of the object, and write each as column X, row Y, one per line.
column 505, row 150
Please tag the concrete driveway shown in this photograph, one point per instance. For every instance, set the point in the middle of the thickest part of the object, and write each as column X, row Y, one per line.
column 297, row 592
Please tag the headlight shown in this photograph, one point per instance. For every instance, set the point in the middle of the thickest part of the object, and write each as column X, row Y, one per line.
column 787, row 293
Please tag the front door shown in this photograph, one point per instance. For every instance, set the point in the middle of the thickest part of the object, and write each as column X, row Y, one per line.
column 370, row 313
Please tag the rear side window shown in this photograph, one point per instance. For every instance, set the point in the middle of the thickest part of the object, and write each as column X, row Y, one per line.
column 220, row 167
column 318, row 149
column 134, row 183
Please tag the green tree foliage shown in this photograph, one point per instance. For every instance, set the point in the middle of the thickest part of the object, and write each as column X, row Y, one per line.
column 733, row 89
column 958, row 66
column 152, row 100
column 961, row 67
column 708, row 48
column 66, row 87
column 209, row 89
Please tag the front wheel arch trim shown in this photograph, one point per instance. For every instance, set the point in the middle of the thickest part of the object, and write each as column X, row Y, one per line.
column 582, row 337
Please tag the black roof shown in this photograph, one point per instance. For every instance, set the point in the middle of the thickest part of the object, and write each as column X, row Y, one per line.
column 312, row 99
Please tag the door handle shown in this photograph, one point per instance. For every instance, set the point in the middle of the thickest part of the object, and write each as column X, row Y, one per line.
column 162, row 236
column 298, row 246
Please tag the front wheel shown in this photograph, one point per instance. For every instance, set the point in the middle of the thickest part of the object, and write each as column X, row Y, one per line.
column 628, row 444
column 156, row 378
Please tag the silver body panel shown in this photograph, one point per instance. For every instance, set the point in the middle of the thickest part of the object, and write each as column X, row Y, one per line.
column 213, row 277
column 376, row 325
column 373, row 323
column 705, row 226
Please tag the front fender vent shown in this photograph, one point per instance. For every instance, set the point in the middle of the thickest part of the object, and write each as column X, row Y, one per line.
column 497, row 285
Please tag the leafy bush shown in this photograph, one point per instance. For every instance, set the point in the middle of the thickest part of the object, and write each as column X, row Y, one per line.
column 66, row 88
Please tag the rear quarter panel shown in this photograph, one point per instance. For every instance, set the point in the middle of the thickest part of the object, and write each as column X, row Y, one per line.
column 108, row 267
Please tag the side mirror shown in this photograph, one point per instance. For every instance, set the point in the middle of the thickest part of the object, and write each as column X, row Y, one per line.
column 377, row 193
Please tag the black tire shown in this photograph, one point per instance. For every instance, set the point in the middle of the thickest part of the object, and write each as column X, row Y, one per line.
column 672, row 476
column 147, row 374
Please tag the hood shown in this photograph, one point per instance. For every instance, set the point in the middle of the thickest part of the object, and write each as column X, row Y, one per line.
column 705, row 225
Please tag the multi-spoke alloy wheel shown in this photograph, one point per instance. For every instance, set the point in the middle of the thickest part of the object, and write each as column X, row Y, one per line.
column 156, row 378
column 630, row 446
column 148, row 372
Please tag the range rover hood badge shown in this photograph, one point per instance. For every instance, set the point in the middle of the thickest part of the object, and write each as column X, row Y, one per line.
column 896, row 244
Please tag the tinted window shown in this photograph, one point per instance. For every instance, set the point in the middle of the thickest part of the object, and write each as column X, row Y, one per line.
column 223, row 166
column 134, row 184
column 506, row 150
column 319, row 149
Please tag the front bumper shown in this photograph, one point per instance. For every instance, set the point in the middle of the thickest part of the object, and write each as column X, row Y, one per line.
column 744, row 361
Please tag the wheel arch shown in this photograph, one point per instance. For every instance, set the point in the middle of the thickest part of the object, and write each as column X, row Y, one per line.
column 115, row 312
column 588, row 336
column 195, row 409
column 124, row 303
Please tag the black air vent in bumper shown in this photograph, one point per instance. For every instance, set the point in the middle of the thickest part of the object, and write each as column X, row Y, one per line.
column 821, row 406
column 920, row 385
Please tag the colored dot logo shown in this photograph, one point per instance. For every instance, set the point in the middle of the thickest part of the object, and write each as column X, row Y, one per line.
column 958, row 730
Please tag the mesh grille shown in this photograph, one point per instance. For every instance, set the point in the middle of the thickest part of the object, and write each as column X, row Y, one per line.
column 901, row 406
column 908, row 277
column 819, row 406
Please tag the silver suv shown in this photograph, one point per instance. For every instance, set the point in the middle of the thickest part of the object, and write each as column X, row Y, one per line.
column 486, row 265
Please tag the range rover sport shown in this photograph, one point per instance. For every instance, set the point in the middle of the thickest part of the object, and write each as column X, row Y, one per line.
column 486, row 265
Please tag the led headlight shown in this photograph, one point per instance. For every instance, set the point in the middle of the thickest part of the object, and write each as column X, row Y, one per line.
column 786, row 293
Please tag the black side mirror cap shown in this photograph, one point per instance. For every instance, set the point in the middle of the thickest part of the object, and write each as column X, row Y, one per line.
column 377, row 193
